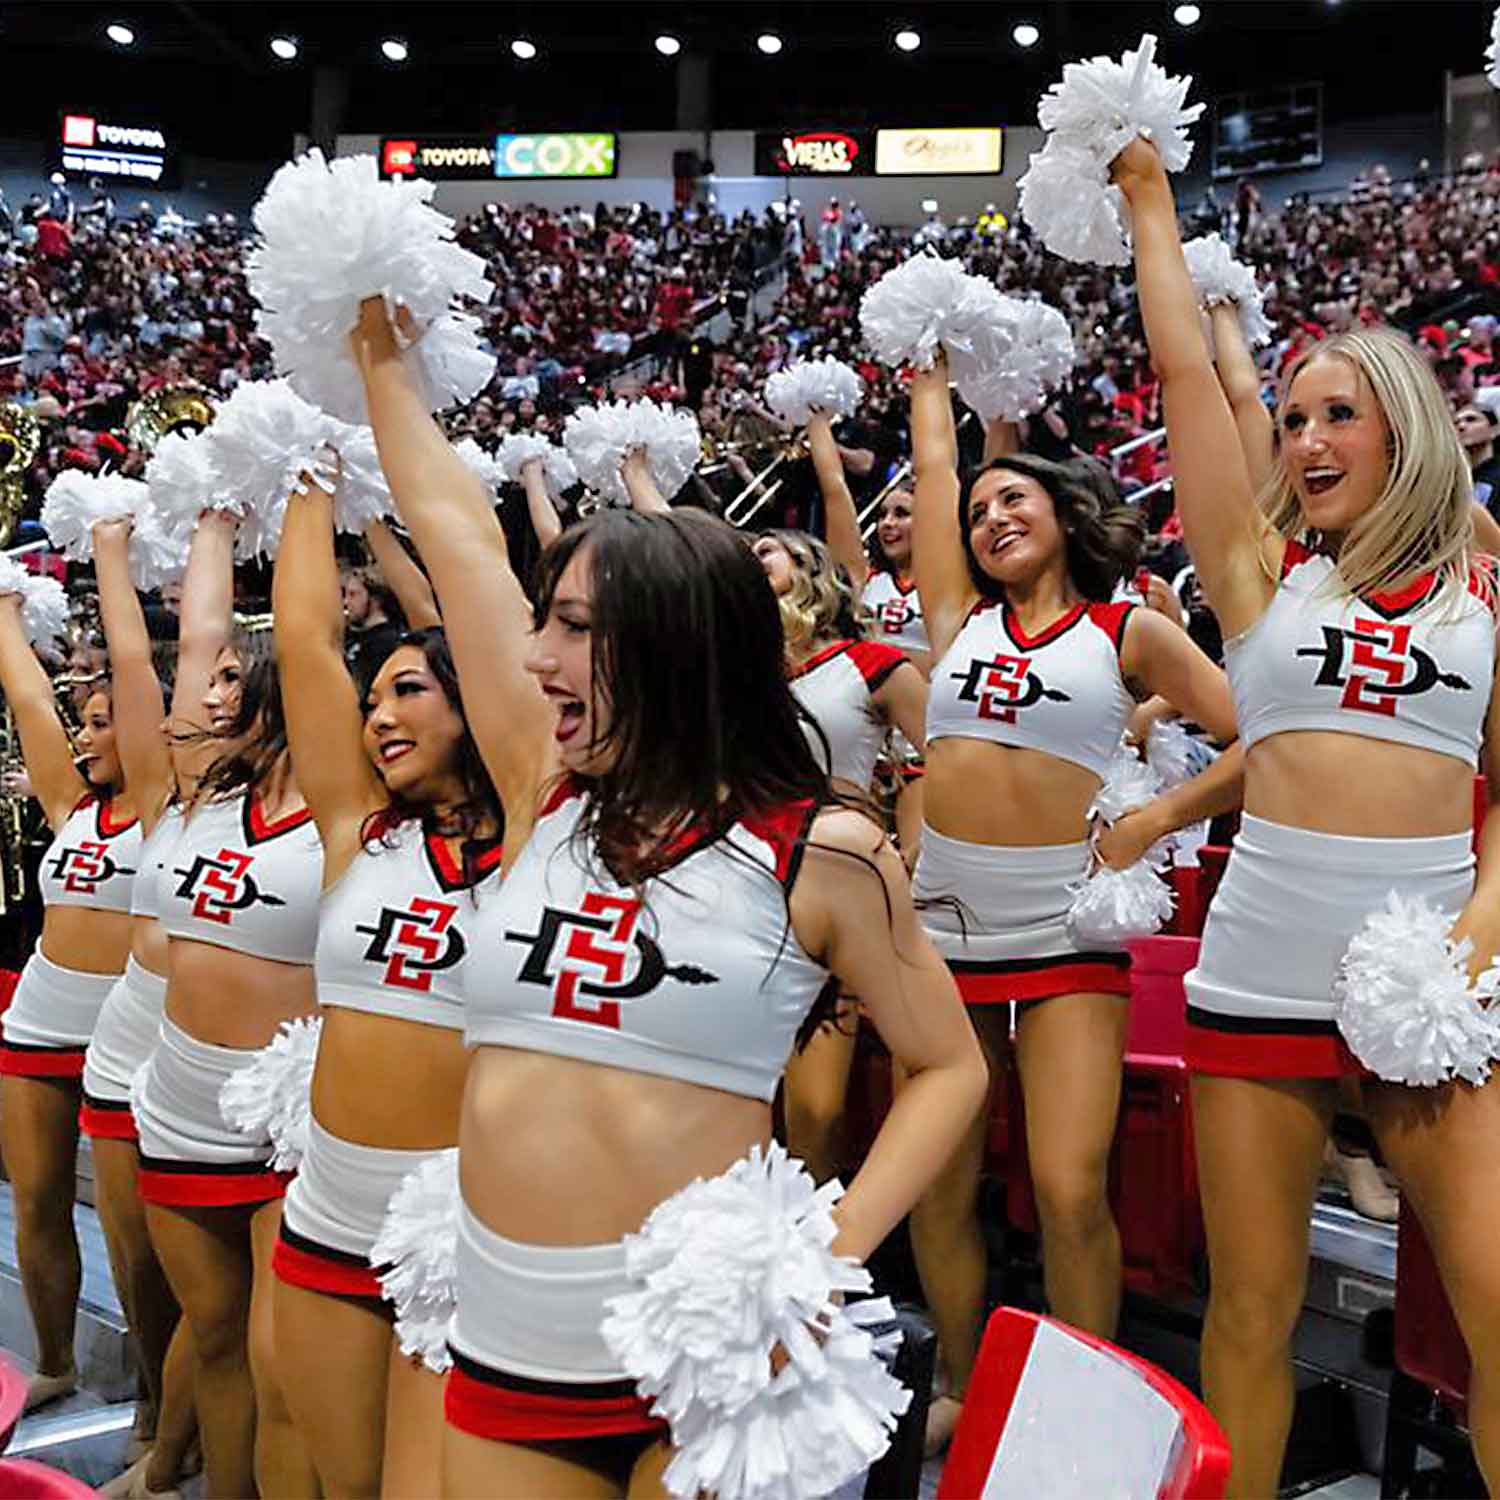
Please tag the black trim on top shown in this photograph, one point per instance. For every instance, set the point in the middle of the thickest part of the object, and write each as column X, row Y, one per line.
column 326, row 1252
column 799, row 848
column 1213, row 1020
column 1059, row 627
column 169, row 1167
column 818, row 659
column 448, row 873
column 259, row 831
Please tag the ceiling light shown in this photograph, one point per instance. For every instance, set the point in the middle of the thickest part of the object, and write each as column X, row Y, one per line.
column 523, row 49
column 668, row 45
column 394, row 49
column 908, row 40
column 120, row 34
column 1026, row 35
column 769, row 43
column 1187, row 15
column 284, row 47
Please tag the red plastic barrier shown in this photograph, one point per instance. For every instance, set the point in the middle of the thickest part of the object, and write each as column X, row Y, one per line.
column 13, row 1387
column 1429, row 1346
column 24, row 1479
column 9, row 979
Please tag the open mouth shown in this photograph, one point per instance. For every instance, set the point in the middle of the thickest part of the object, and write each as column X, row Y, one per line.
column 1320, row 481
column 1005, row 541
column 569, row 719
column 394, row 750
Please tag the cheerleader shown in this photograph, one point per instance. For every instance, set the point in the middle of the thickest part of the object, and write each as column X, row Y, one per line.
column 239, row 903
column 410, row 830
column 1036, row 677
column 678, row 891
column 1355, row 569
column 162, row 770
column 86, row 878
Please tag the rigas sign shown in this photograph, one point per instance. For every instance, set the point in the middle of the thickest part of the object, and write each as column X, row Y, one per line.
column 93, row 147
column 814, row 153
column 477, row 158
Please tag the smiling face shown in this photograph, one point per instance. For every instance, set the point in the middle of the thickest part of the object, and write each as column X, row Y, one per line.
column 1014, row 533
column 562, row 661
column 1335, row 443
column 99, row 760
column 412, row 732
column 894, row 527
column 778, row 563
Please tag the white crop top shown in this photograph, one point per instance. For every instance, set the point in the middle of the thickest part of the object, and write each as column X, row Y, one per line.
column 1060, row 692
column 896, row 612
column 395, row 933
column 836, row 686
column 240, row 882
column 704, row 981
column 156, row 849
column 93, row 860
column 1413, row 667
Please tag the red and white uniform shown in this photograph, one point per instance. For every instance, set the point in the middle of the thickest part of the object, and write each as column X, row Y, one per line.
column 92, row 864
column 1060, row 692
column 896, row 612
column 1413, row 669
column 837, row 686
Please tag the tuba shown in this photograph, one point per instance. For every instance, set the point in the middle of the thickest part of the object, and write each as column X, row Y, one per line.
column 20, row 442
column 174, row 408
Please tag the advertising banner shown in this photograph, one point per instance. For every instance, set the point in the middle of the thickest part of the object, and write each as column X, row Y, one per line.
column 477, row 158
column 814, row 153
column 90, row 147
column 938, row 153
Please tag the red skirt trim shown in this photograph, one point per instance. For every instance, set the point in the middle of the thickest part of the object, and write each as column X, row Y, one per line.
column 1238, row 1047
column 106, row 1120
column 176, row 1184
column 1041, row 979
column 508, row 1409
column 302, row 1262
column 41, row 1062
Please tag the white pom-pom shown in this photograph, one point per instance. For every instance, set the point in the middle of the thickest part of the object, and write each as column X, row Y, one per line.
column 825, row 385
column 724, row 1272
column 1171, row 753
column 927, row 302
column 1405, row 1004
column 1040, row 358
column 44, row 604
column 265, row 438
column 362, row 495
column 598, row 438
column 482, row 463
column 1067, row 198
column 333, row 234
column 416, row 1253
column 1129, row 784
column 183, row 481
column 158, row 554
column 519, row 448
column 1219, row 277
column 1492, row 52
column 76, row 502
column 272, row 1098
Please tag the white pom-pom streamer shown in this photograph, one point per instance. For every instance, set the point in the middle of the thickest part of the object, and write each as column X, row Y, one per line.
column 1068, row 199
column 1111, row 906
column 184, row 482
column 1492, row 52
column 1171, row 753
column 158, row 555
column 825, row 385
column 1219, row 277
column 519, row 448
column 416, row 1253
column 598, row 438
column 333, row 234
column 1405, row 1004
column 272, row 1098
column 1040, row 359
column 44, row 604
column 482, row 463
column 265, row 438
column 76, row 502
column 926, row 303
column 724, row 1272
column 362, row 495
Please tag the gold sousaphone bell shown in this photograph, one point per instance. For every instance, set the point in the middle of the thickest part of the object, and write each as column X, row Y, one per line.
column 174, row 408
column 20, row 442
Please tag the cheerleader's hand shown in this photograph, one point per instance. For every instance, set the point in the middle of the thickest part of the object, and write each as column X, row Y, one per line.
column 1121, row 843
column 1138, row 164
column 1481, row 925
column 118, row 529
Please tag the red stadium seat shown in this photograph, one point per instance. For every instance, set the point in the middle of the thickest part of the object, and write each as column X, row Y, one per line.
column 9, row 979
column 13, row 1386
column 1053, row 1411
column 24, row 1479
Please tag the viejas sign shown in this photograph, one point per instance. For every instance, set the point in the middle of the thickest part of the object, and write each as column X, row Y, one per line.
column 815, row 153
column 89, row 146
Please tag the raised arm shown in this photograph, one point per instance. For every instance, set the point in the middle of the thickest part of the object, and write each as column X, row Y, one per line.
column 44, row 742
column 545, row 521
column 406, row 580
column 1241, row 382
column 938, row 559
column 448, row 514
column 204, row 618
column 645, row 498
column 324, row 725
column 838, row 503
column 1214, row 495
column 1001, row 438
column 137, row 705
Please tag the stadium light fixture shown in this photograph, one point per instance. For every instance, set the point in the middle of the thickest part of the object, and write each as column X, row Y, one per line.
column 668, row 45
column 1187, row 15
column 284, row 47
column 1026, row 35
column 769, row 43
column 907, row 40
column 523, row 49
column 120, row 34
column 395, row 49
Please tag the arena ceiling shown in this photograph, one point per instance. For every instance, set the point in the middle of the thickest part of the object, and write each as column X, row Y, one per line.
column 204, row 68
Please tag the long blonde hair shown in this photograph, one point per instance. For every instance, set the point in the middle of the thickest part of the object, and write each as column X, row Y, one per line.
column 820, row 603
column 1423, row 518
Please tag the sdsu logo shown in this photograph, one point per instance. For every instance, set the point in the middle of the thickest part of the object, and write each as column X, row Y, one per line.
column 596, row 958
column 1376, row 665
column 415, row 944
column 82, row 870
column 1003, row 686
column 893, row 615
column 221, row 885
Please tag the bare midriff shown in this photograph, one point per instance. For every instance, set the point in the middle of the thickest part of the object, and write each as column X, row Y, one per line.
column 89, row 941
column 983, row 793
column 231, row 999
column 148, row 945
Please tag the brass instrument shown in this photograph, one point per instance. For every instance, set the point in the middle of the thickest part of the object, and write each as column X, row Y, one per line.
column 761, row 490
column 20, row 442
column 12, row 817
column 175, row 408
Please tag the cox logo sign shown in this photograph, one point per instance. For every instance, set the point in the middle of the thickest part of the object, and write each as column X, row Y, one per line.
column 554, row 156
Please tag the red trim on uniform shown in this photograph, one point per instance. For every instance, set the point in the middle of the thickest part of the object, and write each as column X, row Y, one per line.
column 40, row 1062
column 108, row 830
column 912, row 770
column 505, row 1415
column 1047, row 636
column 817, row 659
column 104, row 1120
column 449, row 871
column 566, row 788
column 258, row 828
column 1484, row 582
column 1111, row 618
column 206, row 1188
column 901, row 588
column 1268, row 1054
column 315, row 1273
column 1398, row 601
column 1296, row 553
column 875, row 661
column 785, row 830
column 1068, row 976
